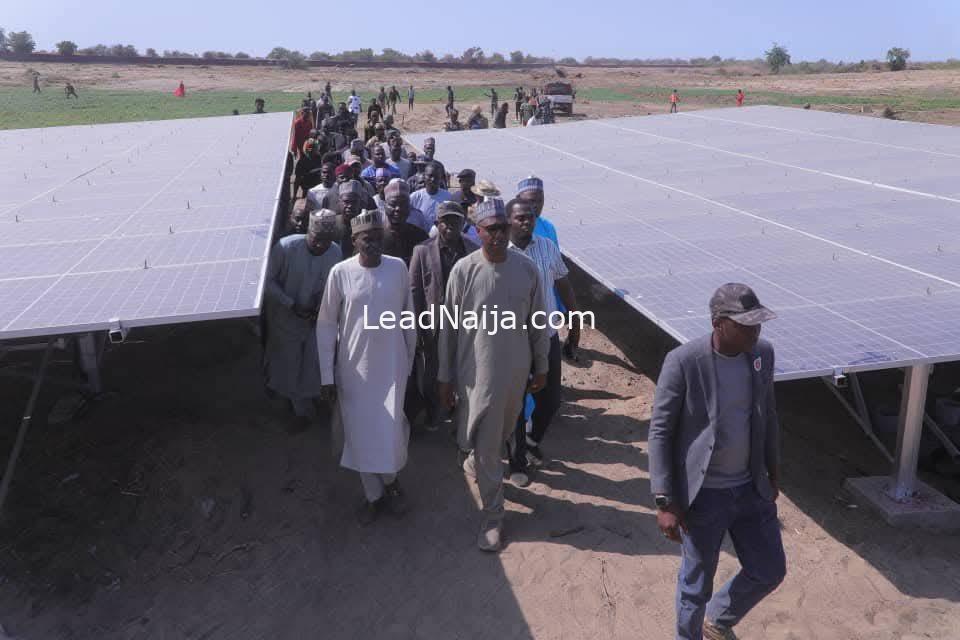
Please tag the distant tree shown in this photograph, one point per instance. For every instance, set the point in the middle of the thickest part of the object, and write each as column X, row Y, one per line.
column 473, row 54
column 278, row 53
column 496, row 58
column 426, row 56
column 215, row 55
column 124, row 51
column 897, row 58
column 358, row 55
column 392, row 55
column 296, row 60
column 516, row 57
column 151, row 52
column 3, row 40
column 96, row 50
column 777, row 57
column 176, row 53
column 21, row 42
column 448, row 57
column 319, row 55
column 240, row 55
column 568, row 60
column 66, row 47
column 715, row 59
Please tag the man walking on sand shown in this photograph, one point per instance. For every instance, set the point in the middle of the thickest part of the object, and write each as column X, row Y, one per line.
column 484, row 371
column 674, row 101
column 714, row 464
column 366, row 370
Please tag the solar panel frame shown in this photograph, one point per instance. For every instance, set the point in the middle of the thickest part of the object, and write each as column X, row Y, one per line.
column 687, row 194
column 205, row 260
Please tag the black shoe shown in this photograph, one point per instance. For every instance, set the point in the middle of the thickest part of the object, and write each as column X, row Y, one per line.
column 368, row 512
column 395, row 498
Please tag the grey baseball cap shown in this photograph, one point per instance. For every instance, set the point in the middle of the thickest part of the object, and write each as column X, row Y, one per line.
column 739, row 303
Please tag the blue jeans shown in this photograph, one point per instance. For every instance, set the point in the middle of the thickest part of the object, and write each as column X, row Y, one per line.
column 755, row 532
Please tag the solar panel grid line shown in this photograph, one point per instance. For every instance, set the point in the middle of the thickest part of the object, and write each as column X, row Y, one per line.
column 155, row 234
column 135, row 212
column 828, row 174
column 839, row 331
column 746, row 213
column 757, row 277
column 687, row 114
column 229, row 246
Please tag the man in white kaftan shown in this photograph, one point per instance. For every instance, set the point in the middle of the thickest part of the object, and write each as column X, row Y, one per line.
column 367, row 360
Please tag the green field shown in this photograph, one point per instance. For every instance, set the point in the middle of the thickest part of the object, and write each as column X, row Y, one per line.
column 20, row 108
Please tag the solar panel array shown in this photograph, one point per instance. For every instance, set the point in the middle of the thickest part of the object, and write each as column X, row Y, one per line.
column 150, row 222
column 847, row 226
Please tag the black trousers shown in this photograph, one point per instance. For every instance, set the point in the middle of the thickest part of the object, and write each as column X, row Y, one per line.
column 547, row 403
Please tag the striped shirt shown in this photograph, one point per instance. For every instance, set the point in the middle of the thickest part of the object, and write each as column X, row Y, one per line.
column 551, row 267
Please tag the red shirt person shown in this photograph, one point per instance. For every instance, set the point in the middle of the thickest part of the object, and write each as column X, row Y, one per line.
column 180, row 91
column 302, row 125
column 740, row 97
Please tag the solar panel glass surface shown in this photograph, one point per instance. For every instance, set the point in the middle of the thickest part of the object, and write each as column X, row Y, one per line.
column 149, row 223
column 847, row 226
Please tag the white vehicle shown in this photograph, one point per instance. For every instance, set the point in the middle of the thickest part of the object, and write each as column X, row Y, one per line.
column 561, row 96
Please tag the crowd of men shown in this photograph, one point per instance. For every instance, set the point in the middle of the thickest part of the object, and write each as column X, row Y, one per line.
column 376, row 234
column 376, row 231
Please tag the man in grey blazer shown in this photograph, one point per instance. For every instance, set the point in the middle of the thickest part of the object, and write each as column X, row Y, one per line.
column 429, row 269
column 714, row 461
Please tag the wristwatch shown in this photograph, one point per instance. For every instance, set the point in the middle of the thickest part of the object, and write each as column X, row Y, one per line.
column 662, row 501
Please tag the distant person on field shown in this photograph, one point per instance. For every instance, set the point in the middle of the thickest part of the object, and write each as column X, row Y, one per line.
column 299, row 265
column 450, row 99
column 393, row 98
column 69, row 91
column 477, row 119
column 527, row 111
column 453, row 124
column 259, row 106
column 353, row 104
column 674, row 101
column 740, row 97
column 180, row 91
column 518, row 99
column 327, row 90
column 382, row 100
column 366, row 371
column 410, row 97
column 500, row 120
column 36, row 82
column 494, row 103
column 714, row 460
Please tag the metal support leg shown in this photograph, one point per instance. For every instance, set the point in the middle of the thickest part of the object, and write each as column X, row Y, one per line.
column 90, row 360
column 24, row 425
column 859, row 412
column 910, row 427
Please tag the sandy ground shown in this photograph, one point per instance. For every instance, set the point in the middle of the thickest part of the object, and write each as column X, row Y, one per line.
column 163, row 78
column 182, row 506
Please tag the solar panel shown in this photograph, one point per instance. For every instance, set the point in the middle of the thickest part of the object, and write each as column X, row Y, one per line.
column 149, row 223
column 846, row 226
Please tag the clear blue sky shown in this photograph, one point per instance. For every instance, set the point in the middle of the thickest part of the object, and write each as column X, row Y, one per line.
column 810, row 29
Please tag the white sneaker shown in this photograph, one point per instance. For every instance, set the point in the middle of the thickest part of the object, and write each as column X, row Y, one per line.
column 490, row 534
column 520, row 479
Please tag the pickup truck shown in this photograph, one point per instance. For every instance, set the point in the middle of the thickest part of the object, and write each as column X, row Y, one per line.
column 560, row 95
